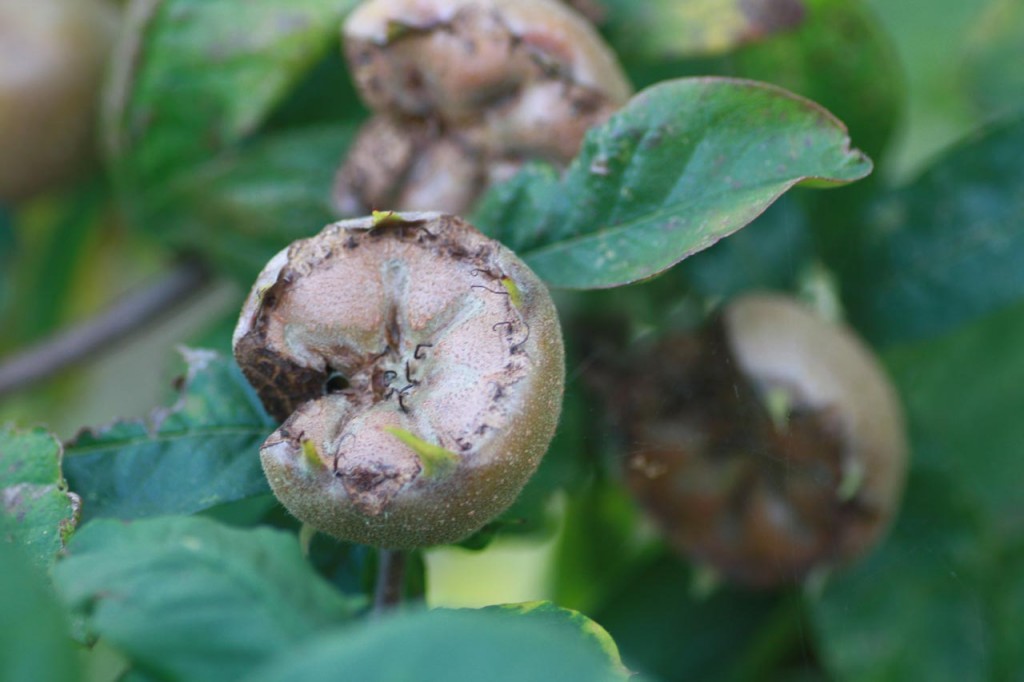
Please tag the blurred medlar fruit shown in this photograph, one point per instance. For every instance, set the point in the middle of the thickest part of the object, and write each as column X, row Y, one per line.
column 768, row 446
column 52, row 54
column 472, row 88
column 418, row 368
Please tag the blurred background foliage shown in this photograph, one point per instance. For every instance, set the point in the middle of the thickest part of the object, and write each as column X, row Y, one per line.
column 223, row 148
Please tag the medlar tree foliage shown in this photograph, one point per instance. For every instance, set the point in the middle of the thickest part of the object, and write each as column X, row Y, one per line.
column 500, row 271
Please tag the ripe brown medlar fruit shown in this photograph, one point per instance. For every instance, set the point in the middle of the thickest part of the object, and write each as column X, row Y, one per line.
column 770, row 445
column 52, row 54
column 418, row 368
column 477, row 87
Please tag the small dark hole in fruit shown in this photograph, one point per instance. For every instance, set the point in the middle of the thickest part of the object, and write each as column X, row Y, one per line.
column 336, row 383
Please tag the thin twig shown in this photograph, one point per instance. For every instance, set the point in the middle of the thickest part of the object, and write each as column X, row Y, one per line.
column 390, row 580
column 125, row 317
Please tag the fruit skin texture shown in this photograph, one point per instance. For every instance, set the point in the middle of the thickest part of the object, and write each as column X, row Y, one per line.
column 476, row 87
column 52, row 54
column 453, row 368
column 768, row 447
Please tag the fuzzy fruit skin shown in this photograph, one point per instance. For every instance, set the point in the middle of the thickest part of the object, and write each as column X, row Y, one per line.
column 364, row 298
column 478, row 87
column 52, row 54
column 766, row 502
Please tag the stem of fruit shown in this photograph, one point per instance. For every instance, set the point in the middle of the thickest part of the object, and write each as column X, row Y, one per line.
column 390, row 580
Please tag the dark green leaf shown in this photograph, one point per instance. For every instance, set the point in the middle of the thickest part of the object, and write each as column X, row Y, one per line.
column 683, row 165
column 327, row 96
column 40, row 512
column 946, row 249
column 247, row 205
column 201, row 452
column 189, row 599
column 660, row 29
column 597, row 548
column 963, row 398
column 919, row 592
column 663, row 629
column 196, row 76
column 447, row 646
column 770, row 253
column 53, row 249
column 34, row 641
column 1006, row 596
column 512, row 212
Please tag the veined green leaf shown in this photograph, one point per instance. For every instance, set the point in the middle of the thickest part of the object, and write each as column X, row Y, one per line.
column 195, row 76
column 448, row 646
column 190, row 599
column 686, row 163
column 36, row 510
column 34, row 633
column 200, row 452
column 946, row 249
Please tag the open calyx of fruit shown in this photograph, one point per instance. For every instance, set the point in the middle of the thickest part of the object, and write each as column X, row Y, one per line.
column 418, row 368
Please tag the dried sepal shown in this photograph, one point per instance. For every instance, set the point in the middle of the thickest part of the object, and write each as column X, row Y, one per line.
column 418, row 393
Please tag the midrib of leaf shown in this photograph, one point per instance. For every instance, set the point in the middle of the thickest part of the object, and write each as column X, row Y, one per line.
column 662, row 213
column 214, row 431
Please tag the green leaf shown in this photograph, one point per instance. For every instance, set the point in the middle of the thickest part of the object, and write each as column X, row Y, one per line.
column 201, row 452
column 447, row 646
column 685, row 163
column 963, row 399
column 664, row 630
column 40, row 512
column 34, row 641
column 189, row 599
column 1006, row 596
column 660, row 29
column 570, row 621
column 944, row 250
column 196, row 76
column 770, row 253
column 920, row 591
column 54, row 248
column 597, row 547
column 242, row 208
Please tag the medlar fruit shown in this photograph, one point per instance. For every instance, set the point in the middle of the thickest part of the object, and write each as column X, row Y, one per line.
column 478, row 86
column 52, row 54
column 770, row 445
column 418, row 368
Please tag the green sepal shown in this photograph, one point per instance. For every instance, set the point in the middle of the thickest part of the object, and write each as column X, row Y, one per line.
column 435, row 459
